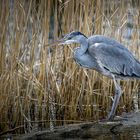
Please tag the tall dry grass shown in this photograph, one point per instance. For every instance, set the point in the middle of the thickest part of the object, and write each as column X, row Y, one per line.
column 41, row 86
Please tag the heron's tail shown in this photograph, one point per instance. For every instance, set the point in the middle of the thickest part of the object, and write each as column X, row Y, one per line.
column 136, row 70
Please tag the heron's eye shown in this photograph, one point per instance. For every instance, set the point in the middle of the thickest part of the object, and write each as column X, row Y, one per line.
column 69, row 38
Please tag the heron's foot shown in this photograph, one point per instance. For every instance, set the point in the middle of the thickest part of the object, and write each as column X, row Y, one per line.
column 117, row 118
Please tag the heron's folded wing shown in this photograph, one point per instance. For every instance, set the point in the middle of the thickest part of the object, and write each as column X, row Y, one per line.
column 114, row 59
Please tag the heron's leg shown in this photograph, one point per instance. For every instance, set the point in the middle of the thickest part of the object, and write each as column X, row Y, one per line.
column 117, row 96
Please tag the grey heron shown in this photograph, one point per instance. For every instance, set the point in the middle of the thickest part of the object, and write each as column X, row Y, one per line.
column 106, row 56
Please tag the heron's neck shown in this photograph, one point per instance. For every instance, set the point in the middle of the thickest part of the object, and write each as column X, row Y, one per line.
column 83, row 46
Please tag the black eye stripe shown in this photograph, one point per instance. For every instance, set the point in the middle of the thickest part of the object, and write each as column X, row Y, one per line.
column 69, row 37
column 73, row 34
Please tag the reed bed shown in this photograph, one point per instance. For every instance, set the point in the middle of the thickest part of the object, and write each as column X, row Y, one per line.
column 41, row 86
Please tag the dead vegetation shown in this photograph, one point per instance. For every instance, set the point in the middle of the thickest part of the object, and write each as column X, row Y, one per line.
column 41, row 86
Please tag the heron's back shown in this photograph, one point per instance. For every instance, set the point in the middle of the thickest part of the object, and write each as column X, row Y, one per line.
column 104, row 39
column 113, row 58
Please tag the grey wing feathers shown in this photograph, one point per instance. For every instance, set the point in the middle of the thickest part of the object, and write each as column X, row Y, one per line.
column 116, row 60
column 104, row 39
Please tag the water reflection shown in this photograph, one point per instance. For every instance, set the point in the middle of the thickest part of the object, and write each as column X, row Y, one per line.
column 133, row 135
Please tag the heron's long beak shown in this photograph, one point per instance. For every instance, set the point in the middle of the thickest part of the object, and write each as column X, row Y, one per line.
column 60, row 42
column 66, row 42
column 57, row 42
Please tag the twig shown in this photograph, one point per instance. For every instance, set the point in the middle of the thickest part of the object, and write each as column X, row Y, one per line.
column 11, row 130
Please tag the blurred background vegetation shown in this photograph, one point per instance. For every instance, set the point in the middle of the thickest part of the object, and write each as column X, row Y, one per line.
column 41, row 86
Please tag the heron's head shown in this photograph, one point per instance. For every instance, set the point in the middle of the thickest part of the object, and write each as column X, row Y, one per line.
column 73, row 37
